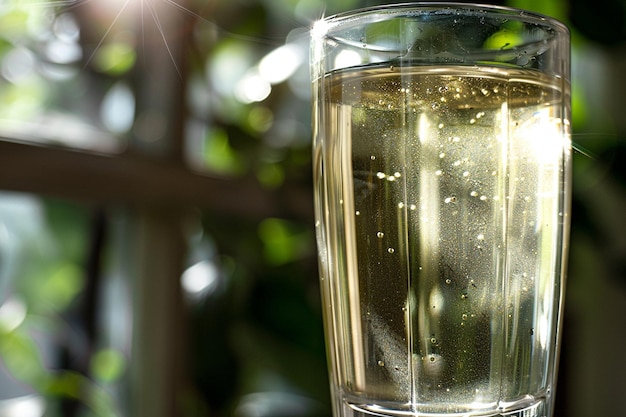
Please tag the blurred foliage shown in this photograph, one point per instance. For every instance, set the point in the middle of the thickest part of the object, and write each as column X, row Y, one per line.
column 49, row 240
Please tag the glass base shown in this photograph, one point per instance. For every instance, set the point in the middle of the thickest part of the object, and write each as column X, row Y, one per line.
column 536, row 409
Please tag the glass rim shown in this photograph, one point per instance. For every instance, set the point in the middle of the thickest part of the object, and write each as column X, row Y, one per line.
column 342, row 19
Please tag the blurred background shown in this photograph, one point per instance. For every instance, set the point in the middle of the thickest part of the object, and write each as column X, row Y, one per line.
column 157, row 254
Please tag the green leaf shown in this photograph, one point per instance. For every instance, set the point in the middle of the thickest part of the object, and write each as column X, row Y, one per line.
column 284, row 241
column 271, row 175
column 63, row 284
column 219, row 155
column 108, row 365
column 115, row 58
column 20, row 354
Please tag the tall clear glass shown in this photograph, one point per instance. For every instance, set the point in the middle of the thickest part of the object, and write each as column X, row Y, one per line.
column 442, row 185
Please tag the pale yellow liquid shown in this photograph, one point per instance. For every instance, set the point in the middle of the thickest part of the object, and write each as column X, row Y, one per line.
column 440, row 224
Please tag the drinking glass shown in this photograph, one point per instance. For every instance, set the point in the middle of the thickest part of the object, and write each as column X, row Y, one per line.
column 442, row 158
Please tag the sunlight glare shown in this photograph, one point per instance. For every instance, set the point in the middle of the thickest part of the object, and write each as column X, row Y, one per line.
column 117, row 110
column 12, row 314
column 200, row 278
column 30, row 406
column 319, row 29
column 115, row 7
column 253, row 87
column 281, row 63
column 347, row 58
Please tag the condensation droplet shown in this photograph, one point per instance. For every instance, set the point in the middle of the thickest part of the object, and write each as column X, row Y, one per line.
column 391, row 250
column 380, row 175
column 357, row 213
column 438, row 172
column 448, row 281
column 380, row 235
column 381, row 363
